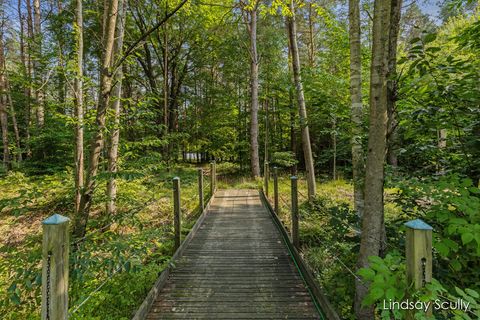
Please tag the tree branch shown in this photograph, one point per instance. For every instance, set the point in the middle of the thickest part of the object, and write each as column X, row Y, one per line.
column 134, row 45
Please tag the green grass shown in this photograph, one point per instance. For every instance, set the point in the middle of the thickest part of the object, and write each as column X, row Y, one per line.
column 139, row 240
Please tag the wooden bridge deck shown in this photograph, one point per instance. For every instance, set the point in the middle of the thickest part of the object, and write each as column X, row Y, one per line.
column 236, row 267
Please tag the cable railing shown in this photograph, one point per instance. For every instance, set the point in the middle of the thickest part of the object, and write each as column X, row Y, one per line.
column 418, row 239
column 57, row 256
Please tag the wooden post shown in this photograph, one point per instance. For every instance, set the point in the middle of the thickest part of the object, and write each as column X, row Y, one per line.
column 176, row 211
column 215, row 174
column 55, row 249
column 212, row 177
column 266, row 177
column 295, row 236
column 200, row 189
column 275, row 189
column 419, row 255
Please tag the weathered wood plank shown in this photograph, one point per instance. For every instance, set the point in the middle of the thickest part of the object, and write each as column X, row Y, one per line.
column 236, row 267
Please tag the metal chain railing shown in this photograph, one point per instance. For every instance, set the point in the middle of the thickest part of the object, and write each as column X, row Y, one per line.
column 109, row 277
column 115, row 219
column 334, row 252
column 344, row 223
column 49, row 267
column 185, row 207
column 330, row 249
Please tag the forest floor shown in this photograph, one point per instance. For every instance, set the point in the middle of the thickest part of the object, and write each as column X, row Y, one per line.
column 133, row 246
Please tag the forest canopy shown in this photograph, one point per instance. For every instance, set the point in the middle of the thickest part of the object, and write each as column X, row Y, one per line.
column 375, row 104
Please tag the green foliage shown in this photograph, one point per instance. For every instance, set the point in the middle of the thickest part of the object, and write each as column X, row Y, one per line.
column 387, row 281
column 327, row 238
column 451, row 205
column 131, row 247
column 438, row 90
column 283, row 159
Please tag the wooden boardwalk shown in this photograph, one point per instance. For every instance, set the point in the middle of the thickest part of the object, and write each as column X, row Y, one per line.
column 236, row 266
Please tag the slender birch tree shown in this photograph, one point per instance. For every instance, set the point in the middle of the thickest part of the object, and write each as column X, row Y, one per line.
column 358, row 162
column 78, row 96
column 116, row 96
column 97, row 142
column 3, row 100
column 252, row 14
column 392, row 82
column 37, row 66
column 372, row 220
column 302, row 110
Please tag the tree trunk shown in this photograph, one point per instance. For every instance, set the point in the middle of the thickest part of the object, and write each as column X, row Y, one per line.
column 293, row 132
column 372, row 222
column 24, row 74
column 442, row 144
column 166, row 149
column 97, row 142
column 3, row 106
column 334, row 143
column 358, row 162
column 29, row 111
column 115, row 135
column 39, row 97
column 307, row 148
column 254, row 157
column 62, row 92
column 14, row 119
column 78, row 94
column 311, row 35
column 392, row 134
column 266, row 159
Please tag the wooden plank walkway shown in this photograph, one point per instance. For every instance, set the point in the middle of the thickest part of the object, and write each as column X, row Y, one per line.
column 236, row 267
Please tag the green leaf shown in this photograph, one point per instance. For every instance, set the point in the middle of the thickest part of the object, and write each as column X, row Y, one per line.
column 414, row 40
column 442, row 249
column 15, row 299
column 376, row 293
column 366, row 273
column 467, row 237
column 455, row 264
column 430, row 37
column 375, row 260
column 473, row 293
column 390, row 293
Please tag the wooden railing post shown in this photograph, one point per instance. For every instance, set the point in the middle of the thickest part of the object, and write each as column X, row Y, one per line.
column 212, row 177
column 295, row 235
column 200, row 189
column 55, row 249
column 275, row 189
column 266, row 177
column 176, row 211
column 418, row 255
column 215, row 175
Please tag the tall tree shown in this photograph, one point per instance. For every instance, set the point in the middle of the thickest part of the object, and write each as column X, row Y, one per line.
column 302, row 110
column 78, row 95
column 252, row 13
column 13, row 115
column 358, row 162
column 372, row 220
column 97, row 142
column 392, row 81
column 311, row 35
column 29, row 67
column 3, row 99
column 37, row 67
column 107, row 70
column 165, row 81
column 115, row 131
